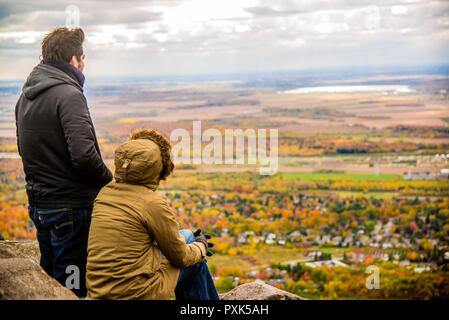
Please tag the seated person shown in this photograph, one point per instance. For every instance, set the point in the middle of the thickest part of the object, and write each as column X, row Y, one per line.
column 135, row 248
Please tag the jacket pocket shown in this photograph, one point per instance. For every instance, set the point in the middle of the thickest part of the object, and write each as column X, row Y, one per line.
column 59, row 221
column 155, row 259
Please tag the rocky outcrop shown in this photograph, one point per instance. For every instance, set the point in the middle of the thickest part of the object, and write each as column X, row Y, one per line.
column 258, row 290
column 20, row 249
column 21, row 277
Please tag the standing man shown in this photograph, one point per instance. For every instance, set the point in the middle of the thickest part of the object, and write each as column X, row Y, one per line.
column 61, row 158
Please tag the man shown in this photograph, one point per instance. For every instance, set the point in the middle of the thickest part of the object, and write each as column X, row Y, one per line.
column 136, row 250
column 61, row 158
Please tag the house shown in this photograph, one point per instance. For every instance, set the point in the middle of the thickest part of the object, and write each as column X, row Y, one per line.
column 281, row 242
column 307, row 244
column 224, row 232
column 361, row 257
column 404, row 263
column 243, row 237
column 313, row 255
column 444, row 173
column 270, row 238
column 394, row 242
column 424, row 267
column 387, row 245
column 252, row 273
column 295, row 236
column 388, row 227
column 425, row 175
column 337, row 240
column 405, row 159
column 348, row 241
column 327, row 263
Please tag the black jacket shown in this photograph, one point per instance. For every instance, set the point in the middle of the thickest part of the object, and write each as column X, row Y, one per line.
column 57, row 142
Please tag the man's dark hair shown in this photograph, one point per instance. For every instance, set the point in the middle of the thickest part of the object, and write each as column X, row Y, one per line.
column 61, row 44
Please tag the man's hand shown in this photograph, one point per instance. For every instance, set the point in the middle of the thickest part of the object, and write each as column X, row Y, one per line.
column 203, row 238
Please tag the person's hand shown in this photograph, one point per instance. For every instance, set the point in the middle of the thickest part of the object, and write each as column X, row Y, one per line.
column 203, row 238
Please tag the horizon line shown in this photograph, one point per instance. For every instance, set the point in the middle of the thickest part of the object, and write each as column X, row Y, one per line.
column 359, row 69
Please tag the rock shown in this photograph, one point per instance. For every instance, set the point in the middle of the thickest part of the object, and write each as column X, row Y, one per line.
column 259, row 290
column 21, row 277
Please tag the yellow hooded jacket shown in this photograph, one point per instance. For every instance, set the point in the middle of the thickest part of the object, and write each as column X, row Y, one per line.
column 131, row 225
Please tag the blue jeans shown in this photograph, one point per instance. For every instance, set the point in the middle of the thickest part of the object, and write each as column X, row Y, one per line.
column 62, row 234
column 195, row 282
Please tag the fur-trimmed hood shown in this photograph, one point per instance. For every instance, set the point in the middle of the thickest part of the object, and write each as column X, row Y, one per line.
column 138, row 162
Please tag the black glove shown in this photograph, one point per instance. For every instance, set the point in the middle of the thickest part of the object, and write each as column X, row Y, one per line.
column 201, row 237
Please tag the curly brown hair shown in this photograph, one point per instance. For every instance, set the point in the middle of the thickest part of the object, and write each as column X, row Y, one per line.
column 163, row 144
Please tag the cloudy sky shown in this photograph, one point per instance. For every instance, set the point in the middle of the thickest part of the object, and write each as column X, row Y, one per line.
column 214, row 36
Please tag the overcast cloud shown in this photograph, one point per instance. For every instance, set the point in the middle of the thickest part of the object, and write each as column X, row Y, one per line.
column 209, row 36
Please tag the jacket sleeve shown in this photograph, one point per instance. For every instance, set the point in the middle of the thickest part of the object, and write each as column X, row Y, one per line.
column 164, row 227
column 81, row 141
